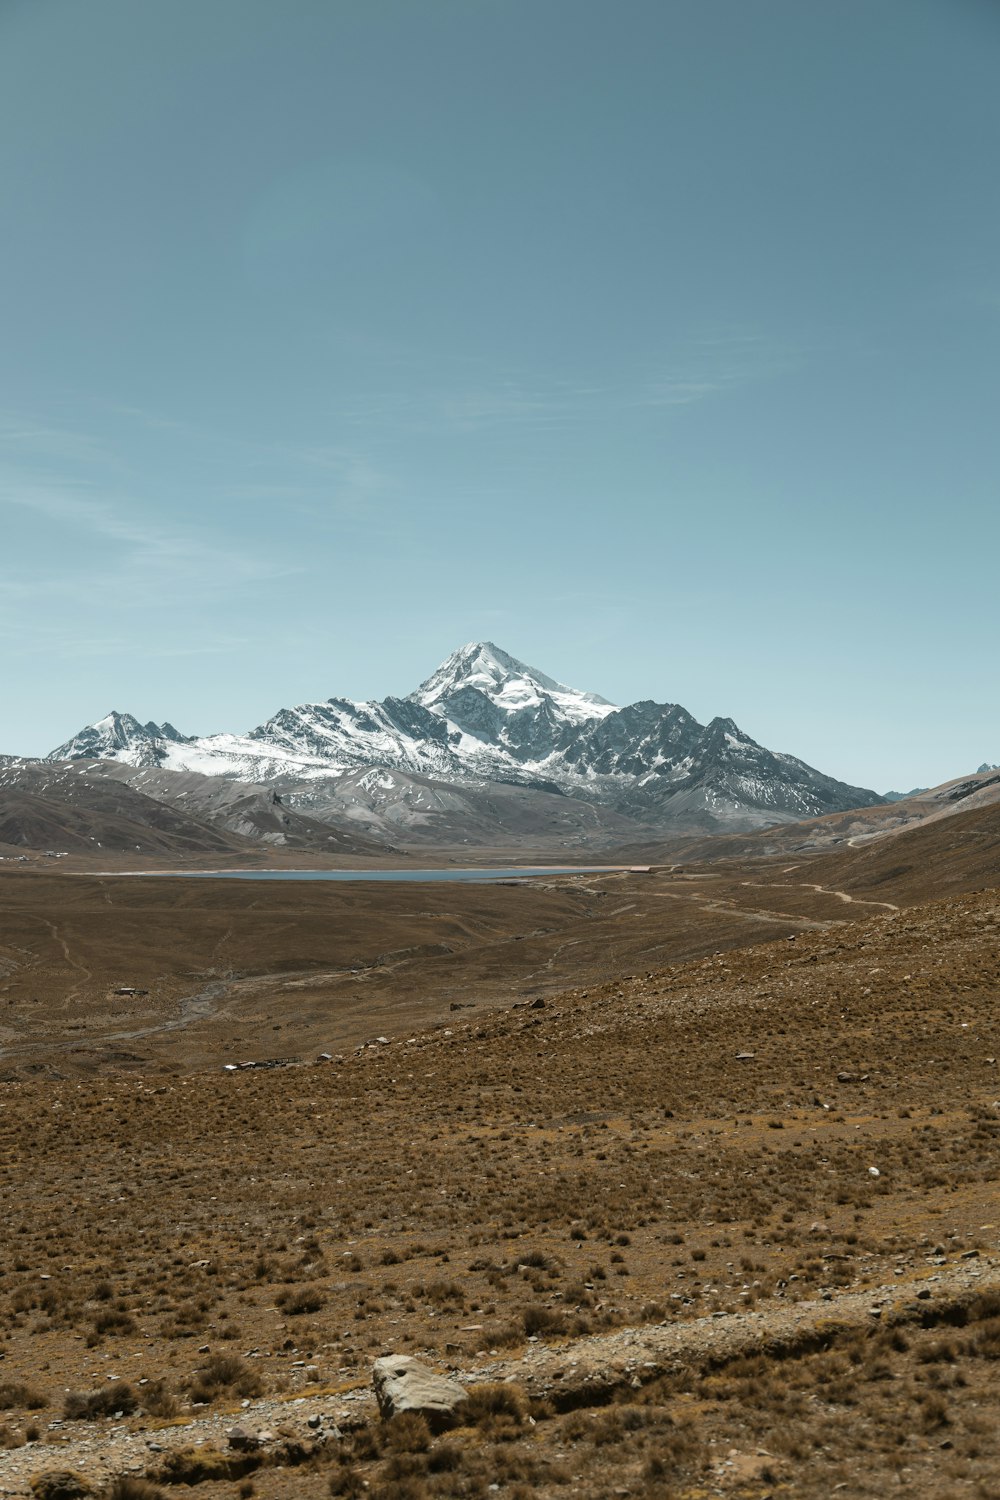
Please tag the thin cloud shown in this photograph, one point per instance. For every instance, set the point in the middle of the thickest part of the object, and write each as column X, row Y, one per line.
column 341, row 477
column 699, row 370
column 144, row 544
column 140, row 578
column 717, row 364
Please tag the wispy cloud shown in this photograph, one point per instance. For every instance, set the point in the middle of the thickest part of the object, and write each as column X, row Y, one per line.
column 716, row 365
column 341, row 478
column 21, row 438
column 86, row 546
column 143, row 546
column 470, row 399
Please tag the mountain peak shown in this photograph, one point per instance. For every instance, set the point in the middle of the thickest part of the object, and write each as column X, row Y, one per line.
column 119, row 736
column 502, row 678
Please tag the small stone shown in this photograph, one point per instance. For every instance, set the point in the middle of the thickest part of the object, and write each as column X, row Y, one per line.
column 242, row 1439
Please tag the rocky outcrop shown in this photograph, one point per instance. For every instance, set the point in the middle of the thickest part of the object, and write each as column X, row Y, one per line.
column 403, row 1383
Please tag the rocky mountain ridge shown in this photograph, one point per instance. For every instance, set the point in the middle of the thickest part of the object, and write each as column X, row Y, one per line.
column 485, row 717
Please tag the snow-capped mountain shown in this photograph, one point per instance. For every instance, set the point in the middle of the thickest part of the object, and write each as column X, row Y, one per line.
column 121, row 737
column 484, row 715
column 492, row 699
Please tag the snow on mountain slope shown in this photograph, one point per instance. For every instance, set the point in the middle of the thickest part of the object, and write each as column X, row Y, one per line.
column 485, row 715
column 344, row 734
column 120, row 737
column 507, row 683
column 492, row 702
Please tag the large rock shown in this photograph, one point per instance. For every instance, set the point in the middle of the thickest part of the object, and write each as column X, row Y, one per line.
column 403, row 1383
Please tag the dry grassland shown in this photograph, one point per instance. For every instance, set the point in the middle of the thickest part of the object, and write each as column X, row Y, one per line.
column 219, row 971
column 739, row 1134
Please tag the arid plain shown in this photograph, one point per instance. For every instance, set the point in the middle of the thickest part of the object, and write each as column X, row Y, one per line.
column 690, row 1175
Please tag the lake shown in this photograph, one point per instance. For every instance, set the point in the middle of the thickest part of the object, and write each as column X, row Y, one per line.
column 523, row 873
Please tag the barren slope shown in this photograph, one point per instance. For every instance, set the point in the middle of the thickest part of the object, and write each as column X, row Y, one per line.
column 699, row 1139
column 719, row 1224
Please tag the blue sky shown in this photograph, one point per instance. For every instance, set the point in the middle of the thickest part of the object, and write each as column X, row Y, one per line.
column 656, row 341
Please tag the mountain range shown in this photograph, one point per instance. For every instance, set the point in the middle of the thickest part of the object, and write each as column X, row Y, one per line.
column 481, row 722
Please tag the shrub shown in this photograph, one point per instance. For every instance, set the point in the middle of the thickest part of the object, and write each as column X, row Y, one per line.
column 113, row 1321
column 87, row 1407
column 347, row 1482
column 159, row 1400
column 404, row 1466
column 408, row 1433
column 14, row 1393
column 539, row 1319
column 444, row 1459
column 304, row 1299
column 934, row 1413
column 492, row 1399
column 986, row 1341
column 59, row 1484
column 132, row 1487
column 223, row 1372
column 442, row 1292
